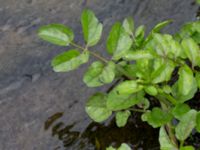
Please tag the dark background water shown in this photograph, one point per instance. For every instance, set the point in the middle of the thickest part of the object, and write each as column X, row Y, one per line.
column 30, row 92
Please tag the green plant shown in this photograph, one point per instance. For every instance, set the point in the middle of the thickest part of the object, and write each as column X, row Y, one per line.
column 141, row 68
column 198, row 1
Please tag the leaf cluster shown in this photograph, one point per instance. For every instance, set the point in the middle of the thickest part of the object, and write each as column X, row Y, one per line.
column 139, row 67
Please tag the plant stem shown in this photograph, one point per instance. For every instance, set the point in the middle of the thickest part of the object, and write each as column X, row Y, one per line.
column 181, row 143
column 169, row 128
column 171, row 133
column 120, row 69
column 92, row 53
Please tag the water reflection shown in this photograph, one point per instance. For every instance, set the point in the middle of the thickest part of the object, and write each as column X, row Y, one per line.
column 96, row 136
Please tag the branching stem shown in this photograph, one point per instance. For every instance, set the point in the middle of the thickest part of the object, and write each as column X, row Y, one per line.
column 120, row 69
column 92, row 53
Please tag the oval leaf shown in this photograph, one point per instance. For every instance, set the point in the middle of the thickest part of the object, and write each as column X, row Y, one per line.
column 164, row 45
column 135, row 55
column 118, row 42
column 110, row 148
column 161, row 25
column 96, row 108
column 198, row 122
column 164, row 140
column 57, row 34
column 98, row 74
column 197, row 77
column 156, row 117
column 190, row 30
column 179, row 110
column 139, row 35
column 191, row 50
column 124, row 147
column 186, row 125
column 69, row 60
column 116, row 101
column 163, row 72
column 92, row 29
column 151, row 90
column 181, row 98
column 128, row 87
column 186, row 81
column 122, row 117
column 128, row 25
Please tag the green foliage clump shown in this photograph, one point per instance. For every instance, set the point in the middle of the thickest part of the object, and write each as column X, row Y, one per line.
column 139, row 67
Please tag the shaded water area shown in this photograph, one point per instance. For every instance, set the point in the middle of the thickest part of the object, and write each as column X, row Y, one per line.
column 30, row 92
column 99, row 136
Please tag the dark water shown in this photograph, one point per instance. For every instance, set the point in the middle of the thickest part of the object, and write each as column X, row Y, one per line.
column 137, row 134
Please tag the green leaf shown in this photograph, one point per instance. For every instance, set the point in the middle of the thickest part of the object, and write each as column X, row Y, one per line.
column 180, row 110
column 144, row 104
column 164, row 140
column 116, row 101
column 186, row 86
column 124, row 147
column 198, row 122
column 179, row 96
column 197, row 77
column 128, row 87
column 167, row 89
column 186, row 125
column 161, row 25
column 139, row 54
column 157, row 29
column 186, row 80
column 190, row 30
column 92, row 29
column 69, row 60
column 122, row 117
column 144, row 69
column 110, row 148
column 108, row 73
column 187, row 148
column 139, row 35
column 151, row 90
column 191, row 50
column 198, row 1
column 57, row 34
column 139, row 31
column 98, row 74
column 131, row 70
column 96, row 108
column 128, row 25
column 162, row 72
column 164, row 45
column 118, row 42
column 156, row 117
column 159, row 43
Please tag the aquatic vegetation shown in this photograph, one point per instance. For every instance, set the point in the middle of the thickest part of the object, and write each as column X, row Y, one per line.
column 143, row 69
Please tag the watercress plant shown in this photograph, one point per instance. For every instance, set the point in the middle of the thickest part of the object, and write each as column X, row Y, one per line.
column 157, row 67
